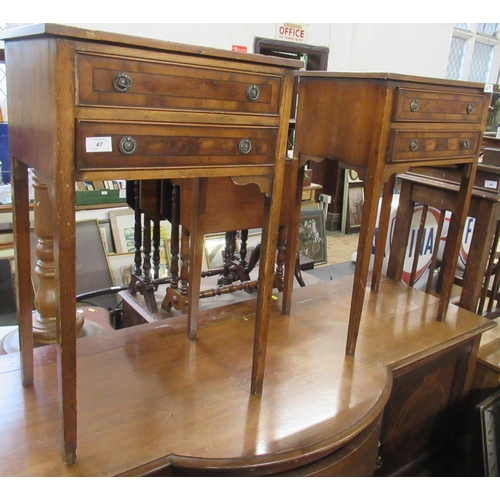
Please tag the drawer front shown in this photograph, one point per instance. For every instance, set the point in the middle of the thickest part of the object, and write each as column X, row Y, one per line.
column 407, row 145
column 143, row 146
column 130, row 83
column 428, row 106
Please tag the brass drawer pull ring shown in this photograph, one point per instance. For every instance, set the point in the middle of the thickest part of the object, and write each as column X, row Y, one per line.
column 252, row 93
column 127, row 145
column 465, row 144
column 414, row 105
column 244, row 146
column 122, row 82
column 413, row 145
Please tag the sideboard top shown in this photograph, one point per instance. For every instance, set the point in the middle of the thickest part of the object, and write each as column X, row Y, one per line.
column 70, row 32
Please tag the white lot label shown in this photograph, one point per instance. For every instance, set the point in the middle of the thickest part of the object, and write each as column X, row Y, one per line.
column 98, row 145
column 490, row 184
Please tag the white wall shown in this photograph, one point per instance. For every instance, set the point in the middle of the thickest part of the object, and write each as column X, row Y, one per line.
column 416, row 49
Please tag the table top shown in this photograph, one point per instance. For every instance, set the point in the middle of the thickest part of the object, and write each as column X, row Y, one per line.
column 148, row 392
column 389, row 77
column 60, row 30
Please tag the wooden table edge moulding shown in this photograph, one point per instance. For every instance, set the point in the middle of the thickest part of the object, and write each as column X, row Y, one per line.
column 380, row 125
column 68, row 86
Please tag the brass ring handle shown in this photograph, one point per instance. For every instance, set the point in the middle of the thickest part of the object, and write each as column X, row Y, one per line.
column 127, row 145
column 122, row 82
column 413, row 145
column 252, row 93
column 470, row 108
column 465, row 144
column 244, row 146
column 414, row 105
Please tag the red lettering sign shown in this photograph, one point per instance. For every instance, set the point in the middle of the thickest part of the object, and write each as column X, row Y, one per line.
column 291, row 32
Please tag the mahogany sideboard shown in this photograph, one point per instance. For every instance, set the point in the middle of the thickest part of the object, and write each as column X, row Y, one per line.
column 380, row 125
column 87, row 105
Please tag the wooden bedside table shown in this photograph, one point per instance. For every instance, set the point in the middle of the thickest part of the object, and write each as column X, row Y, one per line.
column 380, row 125
column 86, row 105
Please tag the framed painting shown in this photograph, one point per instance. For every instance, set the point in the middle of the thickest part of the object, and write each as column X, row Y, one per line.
column 312, row 236
column 107, row 237
column 122, row 228
column 215, row 245
column 121, row 266
column 489, row 412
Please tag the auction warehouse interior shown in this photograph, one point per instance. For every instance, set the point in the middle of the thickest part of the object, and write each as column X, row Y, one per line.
column 265, row 249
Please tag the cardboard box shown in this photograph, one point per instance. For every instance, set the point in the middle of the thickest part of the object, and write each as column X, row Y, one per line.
column 100, row 196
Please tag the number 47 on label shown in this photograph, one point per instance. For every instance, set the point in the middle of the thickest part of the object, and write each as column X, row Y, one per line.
column 98, row 145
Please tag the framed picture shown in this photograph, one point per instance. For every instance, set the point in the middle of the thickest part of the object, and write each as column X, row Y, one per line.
column 356, row 201
column 489, row 411
column 123, row 227
column 106, row 235
column 121, row 266
column 352, row 205
column 312, row 237
column 215, row 245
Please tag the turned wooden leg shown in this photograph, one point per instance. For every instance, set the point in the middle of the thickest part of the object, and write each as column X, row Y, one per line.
column 184, row 273
column 156, row 249
column 226, row 278
column 243, row 248
column 174, row 242
column 44, row 316
column 137, row 233
column 280, row 259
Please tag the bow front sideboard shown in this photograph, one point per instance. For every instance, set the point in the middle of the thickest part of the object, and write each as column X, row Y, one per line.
column 86, row 105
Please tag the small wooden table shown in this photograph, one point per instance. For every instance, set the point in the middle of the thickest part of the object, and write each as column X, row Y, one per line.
column 86, row 105
column 383, row 124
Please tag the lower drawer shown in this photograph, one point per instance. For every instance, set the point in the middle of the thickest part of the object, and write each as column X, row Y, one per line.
column 408, row 145
column 125, row 145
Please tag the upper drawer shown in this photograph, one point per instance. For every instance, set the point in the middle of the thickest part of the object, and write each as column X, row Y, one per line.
column 427, row 106
column 408, row 145
column 132, row 83
column 122, row 145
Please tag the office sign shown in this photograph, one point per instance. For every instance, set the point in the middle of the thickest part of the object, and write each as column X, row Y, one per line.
column 292, row 32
